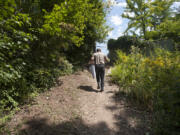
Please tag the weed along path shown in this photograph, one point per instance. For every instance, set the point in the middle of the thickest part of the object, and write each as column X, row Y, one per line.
column 76, row 107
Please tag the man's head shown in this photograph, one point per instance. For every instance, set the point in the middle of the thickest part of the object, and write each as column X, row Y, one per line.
column 98, row 50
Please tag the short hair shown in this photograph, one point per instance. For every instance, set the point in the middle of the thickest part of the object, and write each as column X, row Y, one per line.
column 98, row 50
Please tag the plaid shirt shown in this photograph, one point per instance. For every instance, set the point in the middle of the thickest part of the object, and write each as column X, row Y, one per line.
column 99, row 58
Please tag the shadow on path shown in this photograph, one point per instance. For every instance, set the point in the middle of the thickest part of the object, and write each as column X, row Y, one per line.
column 129, row 119
column 128, row 123
column 40, row 126
column 88, row 88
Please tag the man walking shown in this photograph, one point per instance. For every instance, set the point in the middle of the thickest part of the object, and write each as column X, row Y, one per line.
column 100, row 60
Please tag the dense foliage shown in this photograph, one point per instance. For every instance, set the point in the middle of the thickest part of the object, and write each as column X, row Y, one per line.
column 155, row 20
column 146, row 15
column 158, row 25
column 152, row 82
column 41, row 40
column 124, row 43
column 169, row 29
column 149, row 72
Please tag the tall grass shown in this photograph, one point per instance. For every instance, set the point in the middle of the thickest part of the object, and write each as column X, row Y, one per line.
column 154, row 82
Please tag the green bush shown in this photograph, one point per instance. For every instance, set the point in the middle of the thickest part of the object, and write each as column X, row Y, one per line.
column 38, row 42
column 154, row 82
column 22, row 70
column 65, row 66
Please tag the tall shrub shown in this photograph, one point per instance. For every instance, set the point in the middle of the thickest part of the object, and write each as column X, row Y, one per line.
column 153, row 82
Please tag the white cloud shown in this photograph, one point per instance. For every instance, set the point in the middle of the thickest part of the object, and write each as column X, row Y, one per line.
column 176, row 4
column 130, row 14
column 138, row 31
column 116, row 33
column 119, row 32
column 110, row 34
column 121, row 4
column 116, row 20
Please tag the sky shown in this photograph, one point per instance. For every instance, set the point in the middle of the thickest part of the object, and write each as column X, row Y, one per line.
column 117, row 23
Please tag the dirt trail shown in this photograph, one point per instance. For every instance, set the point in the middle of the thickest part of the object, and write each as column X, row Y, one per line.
column 109, row 112
column 76, row 107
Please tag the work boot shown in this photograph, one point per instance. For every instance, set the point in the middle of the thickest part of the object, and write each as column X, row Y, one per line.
column 98, row 85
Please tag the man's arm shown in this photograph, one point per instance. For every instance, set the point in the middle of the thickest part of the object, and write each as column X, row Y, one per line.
column 106, row 58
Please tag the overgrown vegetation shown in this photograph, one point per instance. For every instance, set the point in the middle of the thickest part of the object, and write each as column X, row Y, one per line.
column 147, row 65
column 124, row 43
column 153, row 82
column 38, row 42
